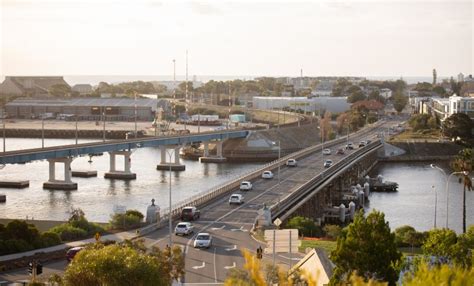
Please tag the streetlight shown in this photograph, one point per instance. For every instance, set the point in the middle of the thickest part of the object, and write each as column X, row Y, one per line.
column 4, row 116
column 447, row 187
column 170, row 221
column 436, row 204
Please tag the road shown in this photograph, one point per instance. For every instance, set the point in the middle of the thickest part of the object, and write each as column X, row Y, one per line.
column 230, row 225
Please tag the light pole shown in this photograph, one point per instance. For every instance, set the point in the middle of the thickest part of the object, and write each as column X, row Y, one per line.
column 279, row 165
column 170, row 220
column 103, row 128
column 42, row 131
column 4, row 117
column 76, row 130
column 436, row 204
column 447, row 187
column 135, row 112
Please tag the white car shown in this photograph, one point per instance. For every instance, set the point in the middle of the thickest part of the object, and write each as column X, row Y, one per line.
column 327, row 163
column 183, row 228
column 350, row 146
column 291, row 163
column 203, row 240
column 236, row 199
column 327, row 151
column 245, row 186
column 267, row 175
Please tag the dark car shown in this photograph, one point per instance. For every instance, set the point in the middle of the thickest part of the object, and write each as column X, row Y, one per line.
column 71, row 253
column 340, row 151
column 190, row 213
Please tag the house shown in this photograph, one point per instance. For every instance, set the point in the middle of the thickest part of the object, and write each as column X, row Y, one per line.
column 324, row 88
column 82, row 88
column 30, row 85
column 316, row 265
column 385, row 92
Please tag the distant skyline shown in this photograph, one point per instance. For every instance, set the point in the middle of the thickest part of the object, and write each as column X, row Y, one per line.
column 324, row 38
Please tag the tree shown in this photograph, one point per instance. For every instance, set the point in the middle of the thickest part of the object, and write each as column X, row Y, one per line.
column 464, row 162
column 458, row 125
column 326, row 127
column 399, row 101
column 305, row 226
column 456, row 86
column 439, row 90
column 439, row 275
column 444, row 244
column 59, row 90
column 119, row 265
column 342, row 123
column 366, row 247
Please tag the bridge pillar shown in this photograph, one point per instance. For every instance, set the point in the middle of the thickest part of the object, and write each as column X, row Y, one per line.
column 126, row 174
column 218, row 158
column 66, row 184
column 166, row 166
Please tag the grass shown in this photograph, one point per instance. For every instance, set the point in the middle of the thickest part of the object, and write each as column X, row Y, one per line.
column 327, row 245
column 425, row 134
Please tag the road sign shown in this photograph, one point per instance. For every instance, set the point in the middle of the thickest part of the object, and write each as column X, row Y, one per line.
column 282, row 239
column 277, row 222
column 119, row 209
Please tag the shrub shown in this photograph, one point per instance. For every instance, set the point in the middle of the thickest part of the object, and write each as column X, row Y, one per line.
column 332, row 231
column 21, row 230
column 67, row 232
column 50, row 238
column 135, row 213
column 305, row 226
column 123, row 221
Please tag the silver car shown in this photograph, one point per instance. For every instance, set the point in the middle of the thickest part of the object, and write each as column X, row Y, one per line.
column 203, row 240
column 183, row 228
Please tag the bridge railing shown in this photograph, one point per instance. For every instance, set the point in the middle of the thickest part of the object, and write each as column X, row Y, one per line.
column 278, row 208
column 209, row 195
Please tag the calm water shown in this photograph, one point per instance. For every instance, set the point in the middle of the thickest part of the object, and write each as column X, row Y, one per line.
column 413, row 204
column 97, row 196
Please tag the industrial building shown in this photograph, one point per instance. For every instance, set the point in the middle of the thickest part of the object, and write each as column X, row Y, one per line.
column 116, row 109
column 315, row 104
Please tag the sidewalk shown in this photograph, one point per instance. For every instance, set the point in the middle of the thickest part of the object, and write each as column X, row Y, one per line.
column 120, row 236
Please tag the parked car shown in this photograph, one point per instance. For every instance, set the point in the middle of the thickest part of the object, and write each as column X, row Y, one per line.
column 340, row 151
column 267, row 175
column 350, row 146
column 367, row 142
column 190, row 213
column 203, row 240
column 236, row 199
column 71, row 253
column 245, row 186
column 362, row 144
column 183, row 228
column 327, row 151
column 291, row 163
column 327, row 163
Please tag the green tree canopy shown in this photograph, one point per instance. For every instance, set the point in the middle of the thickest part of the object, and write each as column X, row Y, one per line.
column 458, row 125
column 444, row 243
column 366, row 247
column 59, row 90
column 399, row 101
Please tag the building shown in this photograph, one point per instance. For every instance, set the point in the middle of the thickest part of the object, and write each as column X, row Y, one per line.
column 460, row 77
column 385, row 92
column 324, row 88
column 314, row 104
column 116, row 109
column 458, row 104
column 82, row 88
column 30, row 85
column 445, row 107
column 317, row 265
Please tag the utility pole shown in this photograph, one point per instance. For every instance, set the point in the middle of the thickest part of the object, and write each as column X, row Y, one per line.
column 77, row 135
column 103, row 119
column 186, row 91
column 230, row 105
column 42, row 131
column 135, row 113
column 174, row 90
column 4, row 141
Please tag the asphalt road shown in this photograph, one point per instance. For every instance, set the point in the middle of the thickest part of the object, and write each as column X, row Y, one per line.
column 230, row 225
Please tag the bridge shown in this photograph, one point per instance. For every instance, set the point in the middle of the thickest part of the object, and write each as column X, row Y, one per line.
column 66, row 153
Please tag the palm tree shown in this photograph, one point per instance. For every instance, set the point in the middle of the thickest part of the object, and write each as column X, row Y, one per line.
column 464, row 163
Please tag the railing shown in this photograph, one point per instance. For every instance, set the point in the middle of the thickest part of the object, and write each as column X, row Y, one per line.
column 302, row 191
column 207, row 196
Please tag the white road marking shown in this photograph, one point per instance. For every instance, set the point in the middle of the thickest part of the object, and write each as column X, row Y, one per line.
column 215, row 268
column 201, row 266
column 231, row 248
column 216, row 228
column 293, row 258
column 239, row 229
column 230, row 267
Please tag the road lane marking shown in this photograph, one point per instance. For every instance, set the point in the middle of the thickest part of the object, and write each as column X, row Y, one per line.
column 239, row 229
column 230, row 267
column 231, row 248
column 217, row 228
column 293, row 258
column 215, row 268
column 200, row 266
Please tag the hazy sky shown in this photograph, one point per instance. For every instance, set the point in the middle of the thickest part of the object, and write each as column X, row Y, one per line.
column 383, row 38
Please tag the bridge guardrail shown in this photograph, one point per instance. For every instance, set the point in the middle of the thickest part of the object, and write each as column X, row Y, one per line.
column 205, row 197
column 277, row 209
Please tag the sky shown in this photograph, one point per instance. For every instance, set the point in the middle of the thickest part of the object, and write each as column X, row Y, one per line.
column 271, row 38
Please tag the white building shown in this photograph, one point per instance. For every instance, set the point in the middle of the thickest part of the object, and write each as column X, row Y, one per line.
column 446, row 107
column 385, row 93
column 332, row 104
column 460, row 77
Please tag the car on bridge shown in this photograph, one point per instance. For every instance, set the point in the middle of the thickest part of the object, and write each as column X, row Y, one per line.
column 291, row 163
column 245, row 186
column 183, row 228
column 203, row 240
column 340, row 151
column 190, row 213
column 71, row 253
column 327, row 163
column 236, row 199
column 362, row 144
column 327, row 151
column 350, row 146
column 267, row 175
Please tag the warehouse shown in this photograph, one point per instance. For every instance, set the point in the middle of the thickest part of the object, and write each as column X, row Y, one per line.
column 115, row 109
column 314, row 104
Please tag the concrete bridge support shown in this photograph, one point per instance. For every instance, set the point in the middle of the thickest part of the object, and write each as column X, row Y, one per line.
column 164, row 165
column 126, row 174
column 213, row 159
column 66, row 184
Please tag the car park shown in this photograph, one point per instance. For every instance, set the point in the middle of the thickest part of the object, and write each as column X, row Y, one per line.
column 183, row 228
column 327, row 151
column 71, row 253
column 327, row 163
column 267, row 175
column 340, row 151
column 190, row 213
column 203, row 240
column 350, row 146
column 245, row 186
column 291, row 163
column 236, row 199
